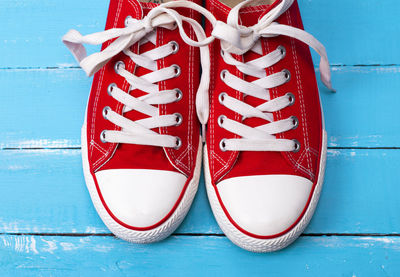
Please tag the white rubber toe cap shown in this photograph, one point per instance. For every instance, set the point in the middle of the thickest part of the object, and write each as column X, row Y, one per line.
column 140, row 197
column 265, row 205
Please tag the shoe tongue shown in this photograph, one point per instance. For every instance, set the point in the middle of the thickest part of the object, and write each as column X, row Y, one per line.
column 249, row 15
column 270, row 7
column 155, row 1
column 147, row 5
column 233, row 3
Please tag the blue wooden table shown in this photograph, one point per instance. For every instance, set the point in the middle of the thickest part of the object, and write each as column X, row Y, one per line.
column 48, row 226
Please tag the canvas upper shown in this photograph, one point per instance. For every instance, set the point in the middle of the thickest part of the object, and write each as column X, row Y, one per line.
column 142, row 192
column 263, row 195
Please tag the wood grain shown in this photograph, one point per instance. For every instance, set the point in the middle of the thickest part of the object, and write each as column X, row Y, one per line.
column 354, row 32
column 196, row 256
column 355, row 231
column 44, row 192
column 54, row 105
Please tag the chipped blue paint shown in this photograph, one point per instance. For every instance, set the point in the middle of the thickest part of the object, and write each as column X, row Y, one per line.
column 42, row 191
column 62, row 94
column 357, row 197
column 196, row 256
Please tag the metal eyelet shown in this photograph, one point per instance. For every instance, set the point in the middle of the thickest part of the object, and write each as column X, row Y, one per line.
column 222, row 145
column 295, row 122
column 103, row 136
column 297, row 146
column 222, row 53
column 221, row 97
column 126, row 22
column 287, row 75
column 178, row 143
column 110, row 88
column 106, row 110
column 179, row 119
column 282, row 50
column 291, row 98
column 118, row 65
column 177, row 70
column 174, row 46
column 178, row 94
column 223, row 74
column 221, row 120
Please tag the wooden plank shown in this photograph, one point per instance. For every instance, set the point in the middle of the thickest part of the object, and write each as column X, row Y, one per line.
column 44, row 192
column 211, row 256
column 54, row 102
column 45, row 108
column 35, row 40
column 349, row 34
column 357, row 194
column 359, row 113
column 344, row 27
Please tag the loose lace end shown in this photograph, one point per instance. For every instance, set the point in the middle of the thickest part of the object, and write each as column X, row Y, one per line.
column 71, row 40
column 325, row 73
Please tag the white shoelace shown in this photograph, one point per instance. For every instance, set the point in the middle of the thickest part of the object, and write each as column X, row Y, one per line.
column 142, row 31
column 235, row 39
column 238, row 39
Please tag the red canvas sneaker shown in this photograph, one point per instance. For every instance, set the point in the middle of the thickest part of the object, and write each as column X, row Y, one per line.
column 266, row 144
column 141, row 144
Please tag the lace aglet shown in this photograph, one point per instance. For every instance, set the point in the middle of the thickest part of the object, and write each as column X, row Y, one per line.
column 331, row 89
column 328, row 83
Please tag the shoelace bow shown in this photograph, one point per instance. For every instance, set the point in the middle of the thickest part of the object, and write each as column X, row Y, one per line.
column 142, row 31
column 238, row 39
column 235, row 39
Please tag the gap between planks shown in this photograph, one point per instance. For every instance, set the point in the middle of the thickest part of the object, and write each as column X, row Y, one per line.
column 79, row 148
column 199, row 234
column 78, row 67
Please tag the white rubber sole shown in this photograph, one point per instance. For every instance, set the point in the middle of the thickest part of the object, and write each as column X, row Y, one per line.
column 264, row 245
column 153, row 235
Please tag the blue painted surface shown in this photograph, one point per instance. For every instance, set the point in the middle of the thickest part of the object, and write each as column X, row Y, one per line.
column 354, row 32
column 196, row 256
column 355, row 198
column 45, row 210
column 63, row 93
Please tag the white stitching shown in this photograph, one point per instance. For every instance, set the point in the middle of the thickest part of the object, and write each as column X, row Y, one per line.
column 92, row 130
column 125, row 84
column 279, row 115
column 212, row 88
column 313, row 151
column 98, row 147
column 302, row 107
column 191, row 93
column 215, row 155
column 162, row 84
